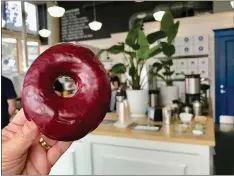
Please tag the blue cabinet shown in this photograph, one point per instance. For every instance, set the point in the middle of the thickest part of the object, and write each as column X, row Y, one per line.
column 224, row 72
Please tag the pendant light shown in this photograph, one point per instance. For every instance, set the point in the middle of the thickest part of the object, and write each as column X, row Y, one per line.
column 158, row 15
column 44, row 32
column 95, row 25
column 56, row 11
column 232, row 3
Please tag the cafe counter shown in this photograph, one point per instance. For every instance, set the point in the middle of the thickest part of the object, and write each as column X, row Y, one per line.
column 110, row 150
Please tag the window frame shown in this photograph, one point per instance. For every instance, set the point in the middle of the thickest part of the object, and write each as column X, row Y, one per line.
column 18, row 36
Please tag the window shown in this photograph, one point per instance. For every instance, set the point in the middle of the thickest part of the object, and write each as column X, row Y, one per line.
column 33, row 51
column 13, row 16
column 13, row 53
column 9, row 55
column 31, row 18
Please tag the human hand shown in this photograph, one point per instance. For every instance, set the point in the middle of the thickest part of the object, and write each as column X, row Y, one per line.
column 21, row 151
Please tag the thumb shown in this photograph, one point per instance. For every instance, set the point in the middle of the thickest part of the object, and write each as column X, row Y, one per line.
column 23, row 140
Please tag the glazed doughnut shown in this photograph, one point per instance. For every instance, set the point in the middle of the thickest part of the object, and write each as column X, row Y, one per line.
column 66, row 118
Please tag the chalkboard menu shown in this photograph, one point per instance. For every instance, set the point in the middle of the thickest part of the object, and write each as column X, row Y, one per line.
column 74, row 26
column 113, row 15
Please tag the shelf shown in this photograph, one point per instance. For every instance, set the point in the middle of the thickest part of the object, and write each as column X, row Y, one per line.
column 185, row 57
column 178, row 79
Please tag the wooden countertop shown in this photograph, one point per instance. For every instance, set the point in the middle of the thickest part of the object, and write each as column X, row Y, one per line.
column 167, row 133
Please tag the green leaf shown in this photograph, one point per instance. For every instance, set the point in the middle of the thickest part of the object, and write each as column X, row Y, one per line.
column 169, row 73
column 116, row 49
column 173, row 32
column 177, row 24
column 168, row 26
column 132, row 71
column 153, row 37
column 118, row 68
column 167, row 22
column 166, row 67
column 131, row 54
column 169, row 62
column 156, row 65
column 154, row 51
column 144, row 45
column 160, row 76
column 132, row 36
column 168, row 49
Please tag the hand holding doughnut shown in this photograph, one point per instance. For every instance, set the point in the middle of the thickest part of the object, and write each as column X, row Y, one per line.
column 66, row 118
column 23, row 152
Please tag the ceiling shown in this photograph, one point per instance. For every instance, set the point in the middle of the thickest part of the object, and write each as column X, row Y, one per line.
column 37, row 2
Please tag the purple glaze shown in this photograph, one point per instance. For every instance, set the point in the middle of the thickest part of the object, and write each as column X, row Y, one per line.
column 66, row 118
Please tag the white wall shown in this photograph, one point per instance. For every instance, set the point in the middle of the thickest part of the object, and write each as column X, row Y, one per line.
column 203, row 24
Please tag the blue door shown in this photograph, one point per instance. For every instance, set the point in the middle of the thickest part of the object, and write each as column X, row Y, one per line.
column 224, row 72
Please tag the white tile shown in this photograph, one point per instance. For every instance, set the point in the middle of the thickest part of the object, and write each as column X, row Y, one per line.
column 203, row 72
column 192, row 63
column 200, row 49
column 187, row 40
column 179, row 71
column 201, row 40
column 177, row 50
column 178, row 41
column 203, row 63
column 192, row 71
column 186, row 50
column 181, row 63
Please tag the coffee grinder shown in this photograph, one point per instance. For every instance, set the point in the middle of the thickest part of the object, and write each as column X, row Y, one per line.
column 192, row 88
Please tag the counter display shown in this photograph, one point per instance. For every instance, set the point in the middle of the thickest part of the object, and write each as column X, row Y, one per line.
column 114, row 151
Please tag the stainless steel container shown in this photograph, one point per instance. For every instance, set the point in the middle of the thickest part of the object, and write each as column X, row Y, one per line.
column 119, row 100
column 121, row 112
column 192, row 84
column 167, row 115
column 197, row 108
column 154, row 98
column 124, row 112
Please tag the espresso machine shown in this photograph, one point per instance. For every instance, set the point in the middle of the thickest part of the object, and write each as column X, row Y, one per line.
column 192, row 88
column 204, row 96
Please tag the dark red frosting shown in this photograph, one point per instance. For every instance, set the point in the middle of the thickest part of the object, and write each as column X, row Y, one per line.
column 66, row 118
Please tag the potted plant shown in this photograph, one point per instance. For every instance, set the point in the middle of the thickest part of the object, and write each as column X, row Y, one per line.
column 137, row 49
column 168, row 92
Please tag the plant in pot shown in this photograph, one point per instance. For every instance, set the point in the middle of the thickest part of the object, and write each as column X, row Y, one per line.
column 137, row 49
column 168, row 92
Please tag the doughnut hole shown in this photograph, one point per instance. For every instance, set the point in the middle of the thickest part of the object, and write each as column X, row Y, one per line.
column 64, row 86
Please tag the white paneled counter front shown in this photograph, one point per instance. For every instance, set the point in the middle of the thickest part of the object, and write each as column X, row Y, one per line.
column 113, row 151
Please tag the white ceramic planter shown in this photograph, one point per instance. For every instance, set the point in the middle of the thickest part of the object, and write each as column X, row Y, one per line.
column 168, row 94
column 138, row 101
